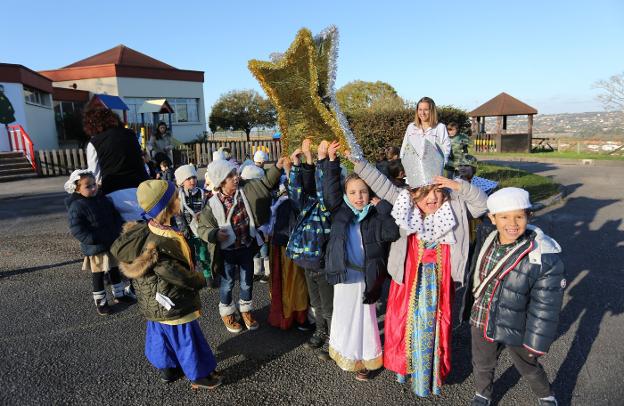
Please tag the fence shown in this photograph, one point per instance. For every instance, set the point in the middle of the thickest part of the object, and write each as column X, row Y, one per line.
column 57, row 162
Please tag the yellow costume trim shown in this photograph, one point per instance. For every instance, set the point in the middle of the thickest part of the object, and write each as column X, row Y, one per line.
column 171, row 233
column 186, row 319
column 347, row 364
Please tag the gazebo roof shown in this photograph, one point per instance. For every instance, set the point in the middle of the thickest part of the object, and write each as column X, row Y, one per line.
column 503, row 105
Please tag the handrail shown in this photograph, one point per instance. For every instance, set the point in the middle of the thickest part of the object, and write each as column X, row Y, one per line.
column 20, row 141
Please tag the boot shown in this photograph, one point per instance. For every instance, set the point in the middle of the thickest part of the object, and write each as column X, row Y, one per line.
column 249, row 321
column 168, row 375
column 258, row 268
column 323, row 353
column 101, row 304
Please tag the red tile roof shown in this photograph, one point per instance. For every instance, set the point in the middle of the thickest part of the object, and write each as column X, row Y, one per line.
column 123, row 56
column 502, row 105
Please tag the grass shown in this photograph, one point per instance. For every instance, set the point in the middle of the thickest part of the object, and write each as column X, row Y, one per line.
column 539, row 187
column 557, row 154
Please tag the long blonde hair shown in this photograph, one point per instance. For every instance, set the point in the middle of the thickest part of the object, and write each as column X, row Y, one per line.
column 433, row 113
column 168, row 212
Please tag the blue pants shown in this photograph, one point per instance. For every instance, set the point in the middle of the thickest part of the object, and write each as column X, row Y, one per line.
column 181, row 346
column 233, row 260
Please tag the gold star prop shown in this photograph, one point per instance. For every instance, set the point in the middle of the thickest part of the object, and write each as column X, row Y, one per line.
column 300, row 86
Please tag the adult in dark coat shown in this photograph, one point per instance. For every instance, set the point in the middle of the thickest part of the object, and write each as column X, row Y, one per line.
column 114, row 156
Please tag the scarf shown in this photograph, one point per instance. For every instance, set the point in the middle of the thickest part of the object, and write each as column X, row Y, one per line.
column 436, row 227
column 359, row 214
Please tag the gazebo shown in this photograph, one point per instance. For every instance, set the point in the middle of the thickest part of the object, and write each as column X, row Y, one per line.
column 501, row 107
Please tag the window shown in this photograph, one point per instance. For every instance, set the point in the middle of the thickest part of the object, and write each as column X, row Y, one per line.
column 186, row 110
column 36, row 96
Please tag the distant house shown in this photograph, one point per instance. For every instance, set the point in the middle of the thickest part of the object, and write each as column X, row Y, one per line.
column 30, row 94
column 122, row 71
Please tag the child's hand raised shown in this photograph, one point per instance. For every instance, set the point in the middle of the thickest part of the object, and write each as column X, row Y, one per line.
column 322, row 149
column 333, row 150
column 447, row 183
column 307, row 152
column 294, row 157
column 375, row 201
column 350, row 157
column 282, row 162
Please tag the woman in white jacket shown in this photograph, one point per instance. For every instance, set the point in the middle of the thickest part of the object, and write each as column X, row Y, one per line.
column 426, row 126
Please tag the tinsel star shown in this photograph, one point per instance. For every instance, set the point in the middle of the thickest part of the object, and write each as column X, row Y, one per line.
column 300, row 84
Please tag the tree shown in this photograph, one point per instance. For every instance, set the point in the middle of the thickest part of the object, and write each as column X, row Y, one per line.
column 613, row 98
column 359, row 95
column 241, row 110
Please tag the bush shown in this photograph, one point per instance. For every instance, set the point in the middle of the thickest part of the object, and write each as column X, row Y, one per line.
column 376, row 130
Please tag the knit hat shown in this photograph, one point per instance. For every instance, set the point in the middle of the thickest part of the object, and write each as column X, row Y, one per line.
column 218, row 171
column 260, row 156
column 252, row 172
column 183, row 173
column 70, row 185
column 154, row 196
column 508, row 199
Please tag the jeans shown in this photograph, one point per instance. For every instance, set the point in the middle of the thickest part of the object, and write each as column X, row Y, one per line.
column 321, row 298
column 485, row 355
column 233, row 260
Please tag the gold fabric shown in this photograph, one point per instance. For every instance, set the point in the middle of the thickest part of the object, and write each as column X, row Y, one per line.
column 347, row 364
column 294, row 288
column 102, row 262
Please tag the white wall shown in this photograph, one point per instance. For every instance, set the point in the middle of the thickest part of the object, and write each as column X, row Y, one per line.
column 158, row 89
column 97, row 85
column 37, row 121
column 40, row 126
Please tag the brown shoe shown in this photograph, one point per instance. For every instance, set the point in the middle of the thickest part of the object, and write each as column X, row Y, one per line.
column 249, row 321
column 363, row 375
column 231, row 324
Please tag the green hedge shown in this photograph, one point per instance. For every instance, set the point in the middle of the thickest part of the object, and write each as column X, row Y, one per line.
column 376, row 130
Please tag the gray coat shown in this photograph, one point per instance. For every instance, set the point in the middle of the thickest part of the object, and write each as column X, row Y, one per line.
column 469, row 200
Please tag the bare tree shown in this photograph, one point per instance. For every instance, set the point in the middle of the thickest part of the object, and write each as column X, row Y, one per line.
column 613, row 98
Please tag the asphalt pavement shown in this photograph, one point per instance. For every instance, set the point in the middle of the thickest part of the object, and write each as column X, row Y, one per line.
column 55, row 349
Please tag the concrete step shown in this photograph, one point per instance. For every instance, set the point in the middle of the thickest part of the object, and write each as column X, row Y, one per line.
column 16, row 171
column 22, row 164
column 14, row 177
column 11, row 155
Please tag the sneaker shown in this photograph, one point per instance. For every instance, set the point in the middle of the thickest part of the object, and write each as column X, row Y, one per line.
column 168, row 375
column 479, row 400
column 362, row 375
column 305, row 326
column 315, row 341
column 128, row 296
column 264, row 279
column 231, row 324
column 323, row 353
column 249, row 321
column 210, row 382
column 549, row 401
column 104, row 309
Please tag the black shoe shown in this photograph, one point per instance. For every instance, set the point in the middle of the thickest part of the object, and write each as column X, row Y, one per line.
column 323, row 353
column 104, row 310
column 210, row 382
column 168, row 375
column 305, row 326
column 211, row 282
column 264, row 278
column 547, row 402
column 479, row 400
column 124, row 299
column 315, row 341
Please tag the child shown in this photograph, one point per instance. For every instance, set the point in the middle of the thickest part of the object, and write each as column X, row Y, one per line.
column 260, row 157
column 432, row 253
column 467, row 170
column 396, row 173
column 94, row 222
column 159, row 261
column 356, row 264
column 459, row 148
column 229, row 224
column 306, row 246
column 513, row 296
column 289, row 292
column 165, row 173
column 193, row 201
column 262, row 267
column 149, row 164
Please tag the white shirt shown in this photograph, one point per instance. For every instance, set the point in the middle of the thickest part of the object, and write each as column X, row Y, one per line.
column 437, row 135
column 92, row 163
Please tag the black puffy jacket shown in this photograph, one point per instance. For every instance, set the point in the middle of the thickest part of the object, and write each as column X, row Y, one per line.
column 378, row 230
column 525, row 304
column 93, row 221
column 156, row 264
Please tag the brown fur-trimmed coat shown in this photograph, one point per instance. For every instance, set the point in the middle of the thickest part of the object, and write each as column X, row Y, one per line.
column 156, row 264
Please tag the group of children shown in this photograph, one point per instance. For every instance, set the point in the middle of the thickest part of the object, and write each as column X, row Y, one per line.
column 330, row 240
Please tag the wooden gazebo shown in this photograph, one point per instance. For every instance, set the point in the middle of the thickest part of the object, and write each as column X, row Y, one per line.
column 501, row 107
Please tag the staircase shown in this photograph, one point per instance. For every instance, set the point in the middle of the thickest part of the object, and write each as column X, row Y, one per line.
column 15, row 166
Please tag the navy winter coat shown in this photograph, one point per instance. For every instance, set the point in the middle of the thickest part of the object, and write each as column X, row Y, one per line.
column 93, row 221
column 528, row 292
column 378, row 230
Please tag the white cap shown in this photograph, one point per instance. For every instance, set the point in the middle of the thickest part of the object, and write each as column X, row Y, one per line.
column 183, row 173
column 508, row 199
column 218, row 171
column 260, row 156
column 252, row 172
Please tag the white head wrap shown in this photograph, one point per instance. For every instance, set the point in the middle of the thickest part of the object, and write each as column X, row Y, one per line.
column 70, row 185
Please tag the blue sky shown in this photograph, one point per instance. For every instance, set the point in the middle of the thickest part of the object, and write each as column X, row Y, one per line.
column 546, row 53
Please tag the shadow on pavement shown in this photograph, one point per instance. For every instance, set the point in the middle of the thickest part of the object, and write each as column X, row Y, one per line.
column 32, row 205
column 13, row 272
